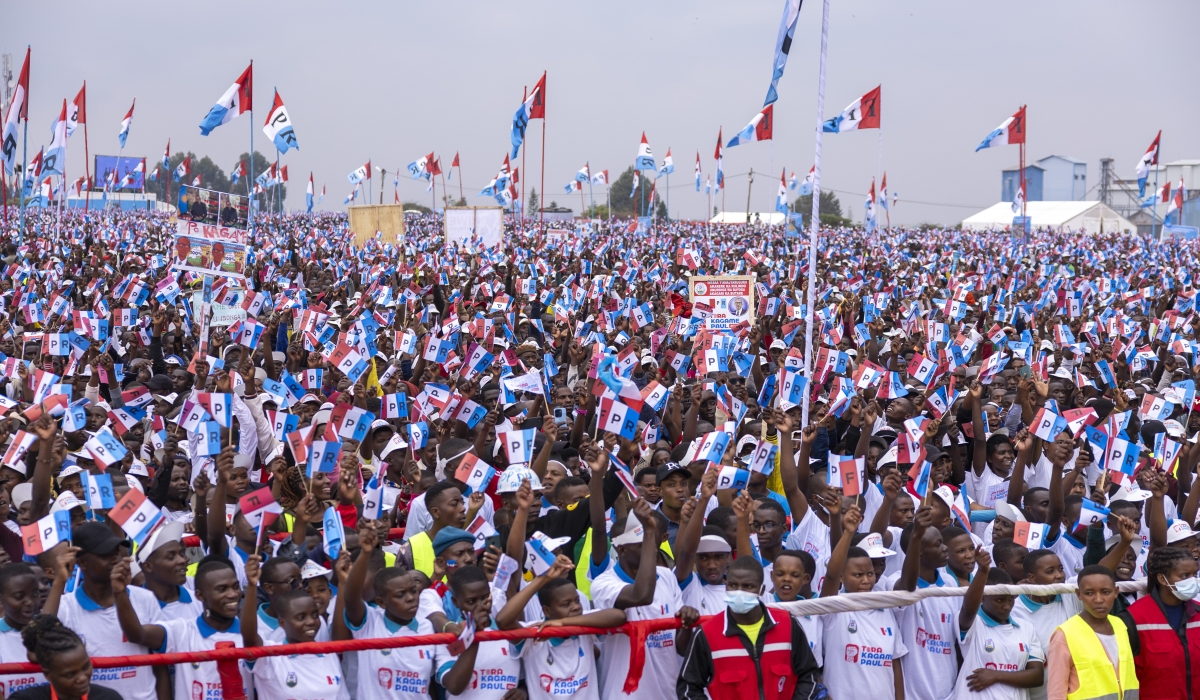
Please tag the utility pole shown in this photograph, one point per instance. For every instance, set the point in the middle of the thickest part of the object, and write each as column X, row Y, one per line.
column 1106, row 180
column 382, row 181
column 749, row 186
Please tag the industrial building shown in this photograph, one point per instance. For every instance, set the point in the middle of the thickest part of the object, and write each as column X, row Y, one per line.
column 1053, row 179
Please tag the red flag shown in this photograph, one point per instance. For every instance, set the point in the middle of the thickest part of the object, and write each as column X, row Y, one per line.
column 537, row 110
column 80, row 104
column 870, row 106
column 455, row 163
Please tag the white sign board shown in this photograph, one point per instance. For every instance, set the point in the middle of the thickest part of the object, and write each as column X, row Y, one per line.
column 221, row 315
column 487, row 223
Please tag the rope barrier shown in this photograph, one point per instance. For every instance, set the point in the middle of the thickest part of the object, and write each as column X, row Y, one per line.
column 396, row 534
column 227, row 655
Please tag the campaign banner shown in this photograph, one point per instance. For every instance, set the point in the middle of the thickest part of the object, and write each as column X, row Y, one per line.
column 105, row 165
column 210, row 250
column 222, row 315
column 214, row 208
column 731, row 298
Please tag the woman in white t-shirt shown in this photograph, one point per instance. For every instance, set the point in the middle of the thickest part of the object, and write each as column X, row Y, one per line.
column 862, row 649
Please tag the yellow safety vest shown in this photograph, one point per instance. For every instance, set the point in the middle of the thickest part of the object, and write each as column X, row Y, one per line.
column 422, row 553
column 1097, row 681
column 582, row 582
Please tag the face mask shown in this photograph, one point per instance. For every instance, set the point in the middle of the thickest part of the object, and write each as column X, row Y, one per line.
column 1186, row 589
column 742, row 602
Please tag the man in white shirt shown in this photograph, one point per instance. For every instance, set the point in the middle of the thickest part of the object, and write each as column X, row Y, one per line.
column 164, row 562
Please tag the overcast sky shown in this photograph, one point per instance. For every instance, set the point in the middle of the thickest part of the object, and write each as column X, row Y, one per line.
column 390, row 82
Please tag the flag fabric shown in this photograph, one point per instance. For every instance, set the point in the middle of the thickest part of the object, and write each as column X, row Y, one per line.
column 18, row 109
column 308, row 194
column 520, row 122
column 783, row 46
column 56, row 155
column 537, row 110
column 131, row 177
column 46, row 533
column 419, row 168
column 453, row 165
column 373, row 498
column 645, row 159
column 1010, row 132
column 720, row 164
column 238, row 171
column 1176, row 203
column 125, row 124
column 260, row 509
column 137, row 515
column 1143, row 167
column 278, row 127
column 697, row 171
column 77, row 114
column 793, row 182
column 600, row 178
column 363, row 172
column 862, row 113
column 633, row 188
column 1090, row 512
column 1018, row 204
column 333, row 533
column 759, row 128
column 883, row 193
column 781, row 199
column 869, row 209
column 232, row 104
column 846, row 473
column 572, row 186
column 1030, row 535
column 806, row 187
column 184, row 167
column 166, row 161
column 583, row 174
column 668, row 165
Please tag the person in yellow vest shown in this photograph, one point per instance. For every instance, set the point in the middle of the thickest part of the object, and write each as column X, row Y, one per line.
column 446, row 507
column 1089, row 654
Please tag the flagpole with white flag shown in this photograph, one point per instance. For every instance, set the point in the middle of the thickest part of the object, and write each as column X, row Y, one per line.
column 816, row 217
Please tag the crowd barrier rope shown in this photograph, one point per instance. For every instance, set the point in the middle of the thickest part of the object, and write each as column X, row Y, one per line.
column 227, row 655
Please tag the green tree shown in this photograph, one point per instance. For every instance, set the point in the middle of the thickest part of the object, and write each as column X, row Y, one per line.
column 413, row 206
column 534, row 202
column 624, row 205
column 830, row 209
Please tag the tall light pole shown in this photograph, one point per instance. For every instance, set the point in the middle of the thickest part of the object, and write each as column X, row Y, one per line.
column 382, row 181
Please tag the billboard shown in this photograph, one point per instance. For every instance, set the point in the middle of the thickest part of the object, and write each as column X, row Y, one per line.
column 211, row 234
column 104, row 165
column 728, row 300
column 484, row 223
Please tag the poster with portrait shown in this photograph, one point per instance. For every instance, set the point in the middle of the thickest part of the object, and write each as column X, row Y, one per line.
column 731, row 298
column 234, row 210
column 209, row 249
column 198, row 204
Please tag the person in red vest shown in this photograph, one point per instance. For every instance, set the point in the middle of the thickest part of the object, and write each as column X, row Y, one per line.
column 1164, row 627
column 750, row 650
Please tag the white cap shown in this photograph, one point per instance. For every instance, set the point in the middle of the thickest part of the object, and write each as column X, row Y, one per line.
column 22, row 493
column 69, row 471
column 888, row 457
column 710, row 544
column 872, row 544
column 1130, row 493
column 1174, row 428
column 633, row 531
column 1009, row 512
column 137, row 468
column 511, row 478
column 778, row 344
column 66, row 501
column 394, row 443
column 946, row 494
column 312, row 570
column 1179, row 530
column 161, row 537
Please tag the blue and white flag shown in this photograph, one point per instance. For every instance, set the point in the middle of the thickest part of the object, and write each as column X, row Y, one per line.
column 1010, row 132
column 781, row 201
column 862, row 113
column 1143, row 166
column 308, row 194
column 362, row 172
column 55, row 158
column 633, row 189
column 373, row 498
column 419, row 168
column 520, row 122
column 279, row 126
column 645, row 159
column 1090, row 512
column 783, row 45
column 334, row 533
column 125, row 123
column 235, row 101
column 760, row 128
column 697, row 171
column 584, row 175
column 668, row 165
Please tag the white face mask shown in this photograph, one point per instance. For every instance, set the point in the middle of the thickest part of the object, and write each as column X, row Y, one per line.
column 741, row 602
column 1186, row 589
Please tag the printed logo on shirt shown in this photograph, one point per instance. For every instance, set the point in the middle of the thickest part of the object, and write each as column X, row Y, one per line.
column 1001, row 667
column 291, row 679
column 101, row 675
column 989, row 646
column 403, row 681
column 15, row 684
column 206, row 691
column 867, row 656
column 852, row 628
column 563, row 686
column 931, row 642
column 662, row 639
column 492, row 679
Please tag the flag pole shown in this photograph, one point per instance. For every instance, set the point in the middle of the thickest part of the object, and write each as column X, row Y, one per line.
column 524, row 96
column 24, row 174
column 542, row 205
column 250, row 172
column 815, row 217
column 1154, row 214
column 87, row 158
column 460, row 190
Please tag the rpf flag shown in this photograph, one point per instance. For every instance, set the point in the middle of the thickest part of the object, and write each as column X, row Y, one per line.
column 1010, row 131
column 783, row 46
column 419, row 168
column 1143, row 167
column 668, row 165
column 55, row 158
column 732, row 478
column 363, row 172
column 1019, row 198
column 759, row 128
column 278, row 127
column 883, row 195
column 308, row 194
column 333, row 535
column 869, row 209
column 125, row 124
column 18, row 109
column 697, row 171
column 781, row 203
column 235, row 101
column 1090, row 512
column 806, row 187
column 846, row 473
column 520, row 121
column 137, row 515
column 373, row 498
column 600, row 178
column 99, row 491
column 1030, row 535
column 259, row 508
column 645, row 159
column 77, row 114
column 47, row 532
column 584, row 174
column 862, row 113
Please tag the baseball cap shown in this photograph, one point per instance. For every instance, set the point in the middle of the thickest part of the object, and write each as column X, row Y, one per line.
column 1009, row 512
column 1179, row 530
column 168, row 533
column 394, row 443
column 511, row 478
column 66, row 501
column 95, row 538
column 312, row 570
column 710, row 544
column 778, row 344
column 633, row 529
column 1130, row 494
column 667, row 469
column 872, row 544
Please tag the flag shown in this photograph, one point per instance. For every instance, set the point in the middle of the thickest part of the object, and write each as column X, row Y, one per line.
column 77, row 115
column 697, row 171
column 883, row 194
column 232, row 104
column 759, row 128
column 1011, row 131
column 584, row 174
column 363, row 172
column 783, row 45
column 1176, row 204
column 46, row 533
column 166, row 161
column 781, row 201
column 131, row 177
column 308, row 193
column 1143, row 166
column 373, row 498
column 668, row 165
column 56, row 155
column 278, row 126
column 18, row 109
column 1019, row 200
column 196, row 180
column 846, row 473
column 137, row 515
column 572, row 186
column 184, row 167
column 238, row 171
column 520, row 121
column 862, row 113
column 1090, row 512
column 869, row 209
column 126, row 122
column 259, row 509
column 720, row 164
column 454, row 164
column 498, row 183
column 806, row 187
column 1030, row 535
column 633, row 189
column 600, row 178
column 645, row 159
column 333, row 533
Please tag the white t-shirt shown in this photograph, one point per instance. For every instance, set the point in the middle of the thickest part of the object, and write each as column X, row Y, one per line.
column 1069, row 551
column 707, row 598
column 561, row 668
column 186, row 608
column 200, row 681
column 814, row 629
column 930, row 630
column 859, row 650
column 812, row 536
column 271, row 632
column 12, row 650
column 1043, row 620
column 999, row 647
column 309, row 677
column 395, row 673
column 101, row 634
column 662, row 658
column 497, row 671
column 419, row 519
column 985, row 490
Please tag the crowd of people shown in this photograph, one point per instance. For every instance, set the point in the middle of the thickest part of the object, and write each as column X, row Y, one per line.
column 412, row 437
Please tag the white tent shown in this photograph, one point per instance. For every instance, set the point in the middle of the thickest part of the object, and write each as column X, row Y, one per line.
column 1092, row 217
column 772, row 218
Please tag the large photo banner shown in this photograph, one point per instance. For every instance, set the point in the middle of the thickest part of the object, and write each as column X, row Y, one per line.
column 105, row 165
column 724, row 301
column 211, row 235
